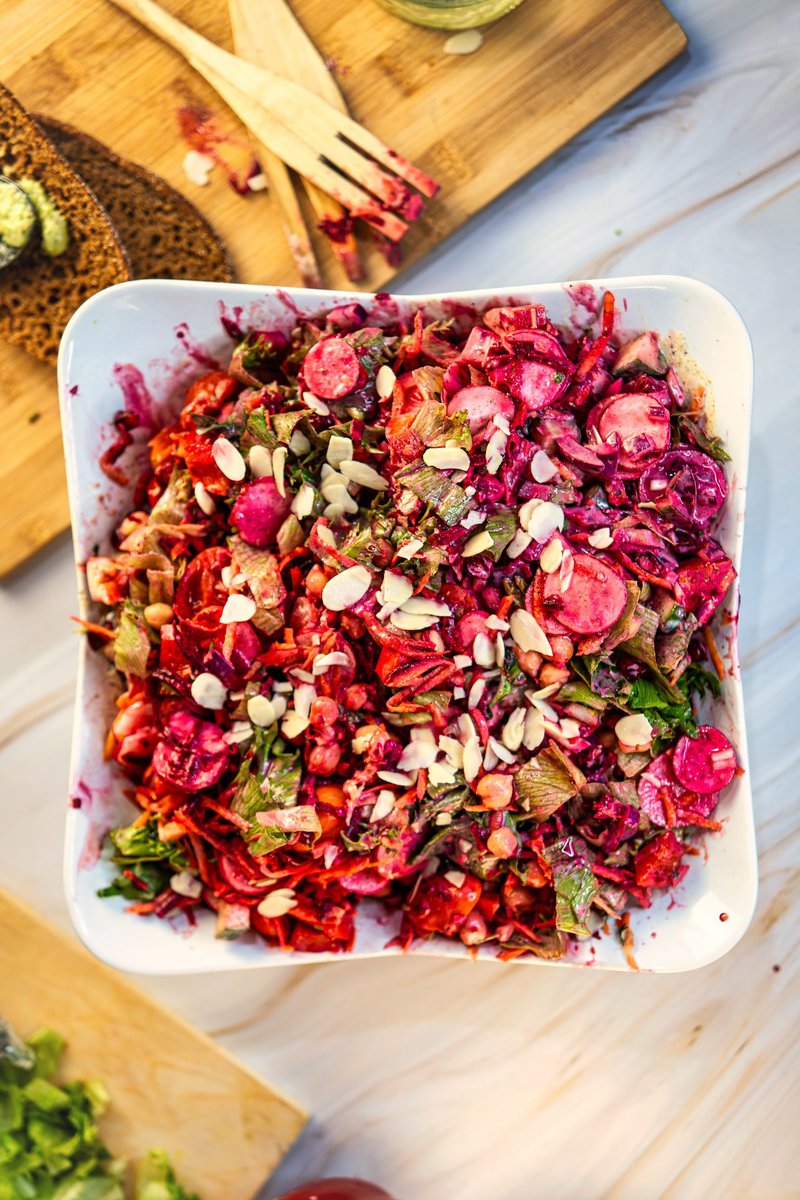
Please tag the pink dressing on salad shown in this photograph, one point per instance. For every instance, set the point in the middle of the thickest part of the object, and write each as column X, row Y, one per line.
column 418, row 611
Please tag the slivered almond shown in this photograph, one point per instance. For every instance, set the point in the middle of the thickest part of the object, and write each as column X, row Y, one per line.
column 601, row 539
column 446, row 458
column 208, row 691
column 502, row 752
column 518, row 544
column 411, row 621
column 383, row 806
column 293, row 724
column 528, row 633
column 299, row 443
column 533, row 734
column 237, row 608
column 347, row 588
column 543, row 469
column 477, row 544
column 363, row 474
column 550, row 558
column 339, row 450
column 514, row 730
column 417, row 756
column 303, row 503
column 545, row 520
column 439, row 773
column 323, row 662
column 385, row 381
column 410, row 548
column 634, row 731
column 483, row 650
column 279, row 455
column 399, row 778
column 473, row 759
column 261, row 711
column 426, row 605
column 260, row 461
column 204, row 499
column 495, row 451
column 228, row 459
column 277, row 903
column 315, row 404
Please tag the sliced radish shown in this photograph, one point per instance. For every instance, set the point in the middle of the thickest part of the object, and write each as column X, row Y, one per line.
column 537, row 344
column 331, row 369
column 481, row 404
column 706, row 763
column 534, row 384
column 658, row 786
column 593, row 601
column 641, row 424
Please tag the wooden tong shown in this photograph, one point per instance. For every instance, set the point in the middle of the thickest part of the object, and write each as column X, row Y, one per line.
column 267, row 33
column 322, row 144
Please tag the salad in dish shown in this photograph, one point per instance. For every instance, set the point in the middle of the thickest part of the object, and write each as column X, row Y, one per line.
column 419, row 611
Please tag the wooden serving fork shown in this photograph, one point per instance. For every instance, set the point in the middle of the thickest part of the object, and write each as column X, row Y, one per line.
column 267, row 33
column 322, row 144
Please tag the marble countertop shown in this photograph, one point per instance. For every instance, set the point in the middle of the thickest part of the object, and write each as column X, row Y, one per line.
column 471, row 1081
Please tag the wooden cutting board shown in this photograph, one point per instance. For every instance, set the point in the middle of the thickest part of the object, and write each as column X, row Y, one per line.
column 477, row 123
column 223, row 1128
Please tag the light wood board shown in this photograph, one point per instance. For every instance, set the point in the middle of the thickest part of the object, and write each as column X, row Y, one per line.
column 171, row 1087
column 477, row 123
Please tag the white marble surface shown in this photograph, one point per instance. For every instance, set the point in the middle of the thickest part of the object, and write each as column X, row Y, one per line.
column 467, row 1082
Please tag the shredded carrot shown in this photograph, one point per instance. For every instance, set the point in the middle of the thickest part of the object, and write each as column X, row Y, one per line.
column 669, row 808
column 100, row 631
column 713, row 652
column 626, row 937
column 504, row 606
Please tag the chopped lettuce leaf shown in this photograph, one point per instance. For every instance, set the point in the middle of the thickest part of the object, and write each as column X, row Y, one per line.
column 156, row 1180
column 627, row 620
column 547, row 781
column 132, row 642
column 574, row 883
column 433, row 425
column 501, row 527
column 275, row 785
column 578, row 692
column 50, row 1147
column 449, row 501
column 709, row 445
column 146, row 863
column 170, row 508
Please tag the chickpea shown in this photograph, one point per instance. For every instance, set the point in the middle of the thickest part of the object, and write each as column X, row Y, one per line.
column 502, row 843
column 316, row 580
column 157, row 615
column 550, row 673
column 529, row 660
column 495, row 790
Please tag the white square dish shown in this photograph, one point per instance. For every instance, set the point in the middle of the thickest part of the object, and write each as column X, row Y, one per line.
column 168, row 330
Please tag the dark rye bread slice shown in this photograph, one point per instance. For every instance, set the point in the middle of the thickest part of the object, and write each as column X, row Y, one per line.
column 164, row 234
column 39, row 294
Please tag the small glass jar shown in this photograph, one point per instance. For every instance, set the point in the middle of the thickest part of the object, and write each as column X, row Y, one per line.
column 449, row 14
